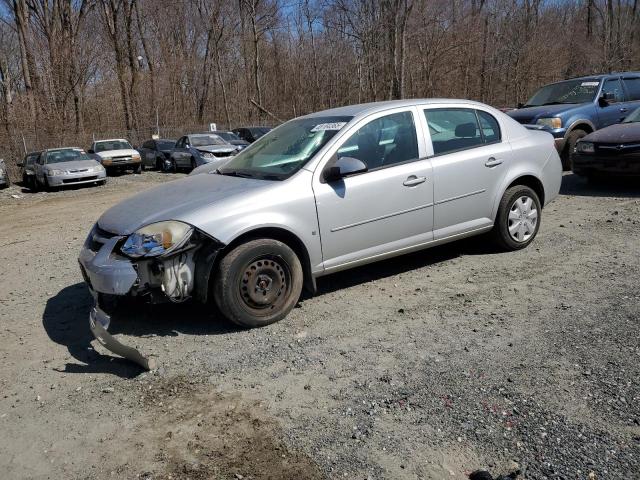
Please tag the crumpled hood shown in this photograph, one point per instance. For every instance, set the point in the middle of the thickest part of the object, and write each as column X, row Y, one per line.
column 216, row 148
column 126, row 152
column 73, row 165
column 620, row 133
column 527, row 113
column 174, row 200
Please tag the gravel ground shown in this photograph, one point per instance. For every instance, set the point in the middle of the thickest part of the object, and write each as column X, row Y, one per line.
column 427, row 366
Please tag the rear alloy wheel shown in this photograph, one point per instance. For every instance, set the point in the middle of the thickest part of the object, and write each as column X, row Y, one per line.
column 258, row 283
column 518, row 218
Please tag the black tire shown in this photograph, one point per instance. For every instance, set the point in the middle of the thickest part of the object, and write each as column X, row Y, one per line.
column 570, row 146
column 501, row 232
column 138, row 169
column 159, row 164
column 174, row 166
column 258, row 283
column 102, row 182
column 193, row 163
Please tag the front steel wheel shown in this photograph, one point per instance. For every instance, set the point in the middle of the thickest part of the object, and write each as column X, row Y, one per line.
column 258, row 283
column 518, row 218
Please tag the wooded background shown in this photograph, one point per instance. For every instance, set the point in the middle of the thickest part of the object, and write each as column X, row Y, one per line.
column 74, row 69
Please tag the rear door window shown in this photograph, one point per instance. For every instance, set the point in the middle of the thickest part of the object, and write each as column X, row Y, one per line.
column 490, row 127
column 453, row 129
column 633, row 87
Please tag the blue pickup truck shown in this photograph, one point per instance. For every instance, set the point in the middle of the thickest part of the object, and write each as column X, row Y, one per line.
column 573, row 108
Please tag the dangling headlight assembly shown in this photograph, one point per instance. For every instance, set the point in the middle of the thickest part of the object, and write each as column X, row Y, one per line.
column 157, row 239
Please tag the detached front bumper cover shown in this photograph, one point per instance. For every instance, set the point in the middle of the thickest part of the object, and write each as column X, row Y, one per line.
column 99, row 323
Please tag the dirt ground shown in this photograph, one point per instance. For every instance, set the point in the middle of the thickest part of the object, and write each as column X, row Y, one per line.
column 426, row 366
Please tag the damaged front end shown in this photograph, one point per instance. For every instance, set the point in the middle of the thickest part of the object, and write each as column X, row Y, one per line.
column 162, row 262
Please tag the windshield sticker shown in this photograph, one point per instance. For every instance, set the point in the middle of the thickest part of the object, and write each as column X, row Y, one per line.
column 328, row 126
column 589, row 84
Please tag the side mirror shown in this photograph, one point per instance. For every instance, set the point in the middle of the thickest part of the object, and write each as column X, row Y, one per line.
column 90, row 151
column 520, row 104
column 20, row 164
column 344, row 167
column 606, row 99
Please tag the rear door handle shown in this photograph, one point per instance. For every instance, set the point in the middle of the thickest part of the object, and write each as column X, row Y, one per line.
column 412, row 181
column 492, row 162
column 623, row 109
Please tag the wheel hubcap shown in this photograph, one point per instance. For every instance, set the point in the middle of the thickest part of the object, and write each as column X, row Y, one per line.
column 523, row 218
column 264, row 283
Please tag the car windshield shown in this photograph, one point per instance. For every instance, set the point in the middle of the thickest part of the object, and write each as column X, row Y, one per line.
column 111, row 145
column 571, row 91
column 165, row 144
column 204, row 140
column 286, row 149
column 228, row 136
column 66, row 155
column 633, row 116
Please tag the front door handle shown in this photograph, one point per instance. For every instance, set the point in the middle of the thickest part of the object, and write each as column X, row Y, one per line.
column 492, row 162
column 624, row 109
column 412, row 181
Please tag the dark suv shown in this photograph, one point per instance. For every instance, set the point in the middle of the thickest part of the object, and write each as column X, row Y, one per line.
column 573, row 108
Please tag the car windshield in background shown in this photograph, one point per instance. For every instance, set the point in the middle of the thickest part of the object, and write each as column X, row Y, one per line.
column 111, row 145
column 67, row 155
column 260, row 131
column 286, row 149
column 204, row 140
column 228, row 136
column 571, row 91
column 165, row 144
column 633, row 116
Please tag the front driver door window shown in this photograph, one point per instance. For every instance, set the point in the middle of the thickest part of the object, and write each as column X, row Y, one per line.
column 387, row 208
column 615, row 111
column 384, row 141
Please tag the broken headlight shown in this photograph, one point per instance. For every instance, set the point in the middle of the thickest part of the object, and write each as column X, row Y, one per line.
column 157, row 239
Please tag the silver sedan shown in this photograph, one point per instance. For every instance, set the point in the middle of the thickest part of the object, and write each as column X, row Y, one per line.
column 62, row 167
column 323, row 193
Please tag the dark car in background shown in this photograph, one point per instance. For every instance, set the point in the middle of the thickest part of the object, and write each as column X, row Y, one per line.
column 28, row 169
column 232, row 138
column 197, row 149
column 4, row 175
column 573, row 108
column 251, row 134
column 156, row 153
column 613, row 150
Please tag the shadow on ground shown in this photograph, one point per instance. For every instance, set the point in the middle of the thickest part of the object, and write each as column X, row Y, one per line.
column 66, row 321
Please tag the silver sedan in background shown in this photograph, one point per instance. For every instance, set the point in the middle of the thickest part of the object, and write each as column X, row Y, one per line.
column 61, row 167
column 323, row 193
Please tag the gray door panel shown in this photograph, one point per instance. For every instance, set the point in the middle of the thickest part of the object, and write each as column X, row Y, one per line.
column 375, row 212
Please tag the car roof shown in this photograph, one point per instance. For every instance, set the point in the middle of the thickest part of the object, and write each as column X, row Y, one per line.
column 600, row 76
column 62, row 148
column 373, row 107
column 111, row 140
